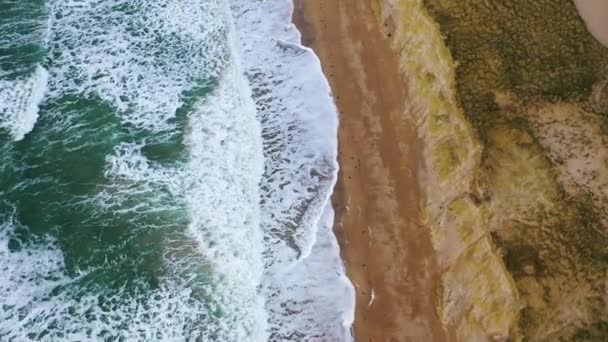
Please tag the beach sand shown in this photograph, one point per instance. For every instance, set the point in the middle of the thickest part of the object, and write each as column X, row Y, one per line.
column 595, row 14
column 386, row 249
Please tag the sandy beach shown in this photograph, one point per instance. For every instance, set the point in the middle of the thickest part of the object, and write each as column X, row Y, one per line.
column 387, row 252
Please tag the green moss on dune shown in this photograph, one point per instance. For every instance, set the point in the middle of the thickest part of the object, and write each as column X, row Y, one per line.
column 513, row 58
column 551, row 242
column 535, row 49
column 508, row 96
column 477, row 299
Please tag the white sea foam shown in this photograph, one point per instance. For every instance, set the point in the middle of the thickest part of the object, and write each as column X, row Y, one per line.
column 224, row 172
column 19, row 100
column 256, row 183
column 308, row 296
column 140, row 58
column 40, row 301
column 314, row 300
column 140, row 55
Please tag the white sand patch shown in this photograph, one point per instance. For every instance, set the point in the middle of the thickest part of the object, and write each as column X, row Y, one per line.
column 595, row 14
column 577, row 145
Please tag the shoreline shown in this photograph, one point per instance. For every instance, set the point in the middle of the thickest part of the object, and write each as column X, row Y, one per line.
column 386, row 249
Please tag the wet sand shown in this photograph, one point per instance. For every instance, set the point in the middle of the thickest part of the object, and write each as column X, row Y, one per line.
column 387, row 251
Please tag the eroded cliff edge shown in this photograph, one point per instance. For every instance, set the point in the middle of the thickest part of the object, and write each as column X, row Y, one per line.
column 512, row 105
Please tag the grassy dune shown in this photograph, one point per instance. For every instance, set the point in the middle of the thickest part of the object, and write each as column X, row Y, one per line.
column 512, row 106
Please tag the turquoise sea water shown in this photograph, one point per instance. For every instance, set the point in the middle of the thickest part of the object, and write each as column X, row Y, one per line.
column 162, row 176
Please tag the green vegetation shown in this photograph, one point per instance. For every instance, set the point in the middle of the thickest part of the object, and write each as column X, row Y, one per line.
column 534, row 49
column 477, row 299
column 514, row 57
column 509, row 97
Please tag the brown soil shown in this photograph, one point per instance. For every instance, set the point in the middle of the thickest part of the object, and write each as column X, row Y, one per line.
column 386, row 249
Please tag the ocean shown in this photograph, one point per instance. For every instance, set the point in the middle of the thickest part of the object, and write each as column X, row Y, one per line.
column 165, row 174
